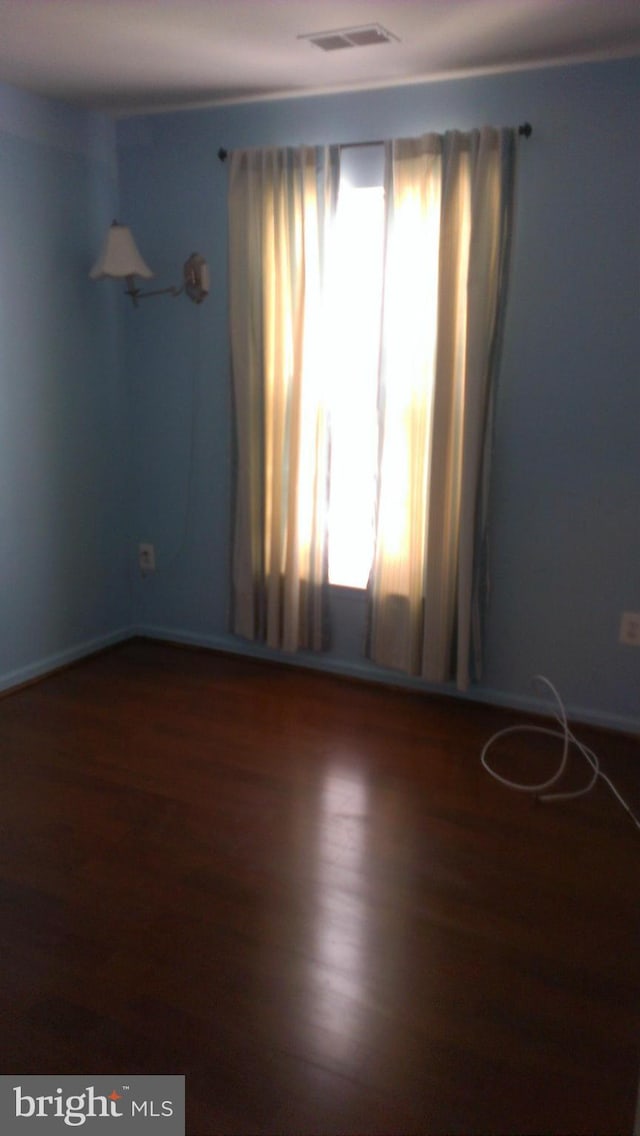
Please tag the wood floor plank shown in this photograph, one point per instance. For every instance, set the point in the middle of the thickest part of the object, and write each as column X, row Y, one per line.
column 306, row 895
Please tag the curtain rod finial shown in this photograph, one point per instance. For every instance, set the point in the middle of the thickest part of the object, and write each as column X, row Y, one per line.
column 526, row 129
column 222, row 154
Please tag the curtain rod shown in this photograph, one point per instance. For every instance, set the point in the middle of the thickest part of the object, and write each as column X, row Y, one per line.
column 525, row 130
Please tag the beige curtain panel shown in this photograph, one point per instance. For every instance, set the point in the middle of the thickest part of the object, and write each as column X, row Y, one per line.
column 279, row 204
column 449, row 203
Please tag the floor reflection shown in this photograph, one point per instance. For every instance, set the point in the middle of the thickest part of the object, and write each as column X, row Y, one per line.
column 341, row 917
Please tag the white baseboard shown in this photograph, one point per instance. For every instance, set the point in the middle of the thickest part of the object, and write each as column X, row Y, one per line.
column 44, row 666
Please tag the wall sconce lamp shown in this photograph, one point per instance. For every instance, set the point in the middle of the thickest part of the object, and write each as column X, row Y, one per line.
column 121, row 259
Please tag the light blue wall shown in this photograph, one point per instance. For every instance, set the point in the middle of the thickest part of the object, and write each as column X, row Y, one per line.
column 565, row 531
column 63, row 416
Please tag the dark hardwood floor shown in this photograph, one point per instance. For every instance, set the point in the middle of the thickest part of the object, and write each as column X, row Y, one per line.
column 306, row 895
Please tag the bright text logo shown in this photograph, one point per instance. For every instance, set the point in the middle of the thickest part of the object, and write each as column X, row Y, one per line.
column 133, row 1105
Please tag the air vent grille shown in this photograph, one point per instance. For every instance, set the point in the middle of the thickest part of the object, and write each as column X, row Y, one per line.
column 370, row 35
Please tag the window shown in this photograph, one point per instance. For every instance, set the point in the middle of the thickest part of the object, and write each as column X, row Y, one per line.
column 355, row 297
column 312, row 343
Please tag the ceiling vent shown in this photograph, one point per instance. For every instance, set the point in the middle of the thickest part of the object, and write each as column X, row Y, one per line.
column 370, row 35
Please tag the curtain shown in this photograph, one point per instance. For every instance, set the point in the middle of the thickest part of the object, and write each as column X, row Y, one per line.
column 449, row 203
column 280, row 204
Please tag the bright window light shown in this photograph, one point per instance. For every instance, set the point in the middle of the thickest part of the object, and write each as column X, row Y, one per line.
column 355, row 299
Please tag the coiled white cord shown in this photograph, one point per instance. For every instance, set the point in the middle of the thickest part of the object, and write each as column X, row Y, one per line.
column 568, row 739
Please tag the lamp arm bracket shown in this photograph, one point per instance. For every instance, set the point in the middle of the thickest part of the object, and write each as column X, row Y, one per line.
column 196, row 283
column 172, row 291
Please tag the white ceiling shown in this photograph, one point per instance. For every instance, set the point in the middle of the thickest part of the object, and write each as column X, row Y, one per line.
column 127, row 56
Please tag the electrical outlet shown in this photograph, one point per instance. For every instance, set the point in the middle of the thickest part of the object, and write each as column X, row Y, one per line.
column 146, row 558
column 630, row 628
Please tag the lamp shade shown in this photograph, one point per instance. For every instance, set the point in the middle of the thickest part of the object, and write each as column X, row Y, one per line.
column 120, row 256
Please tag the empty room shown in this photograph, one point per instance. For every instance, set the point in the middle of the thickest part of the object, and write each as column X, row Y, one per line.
column 320, row 567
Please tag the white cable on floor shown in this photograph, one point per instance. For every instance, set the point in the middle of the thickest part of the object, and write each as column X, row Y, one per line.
column 568, row 739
